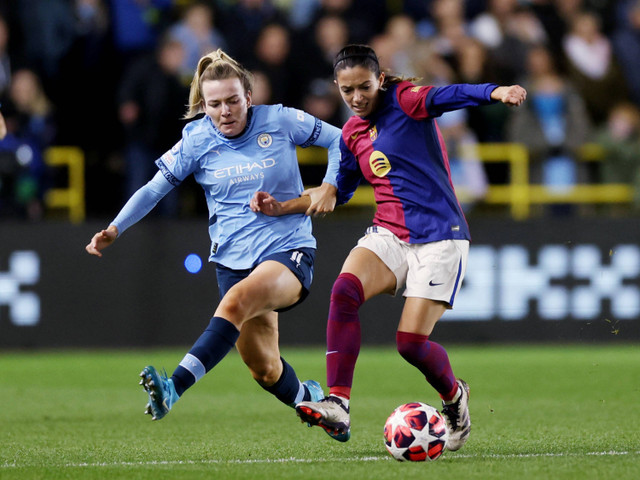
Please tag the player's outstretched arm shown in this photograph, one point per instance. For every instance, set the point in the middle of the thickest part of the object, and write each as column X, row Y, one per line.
column 264, row 202
column 102, row 240
column 512, row 95
column 323, row 199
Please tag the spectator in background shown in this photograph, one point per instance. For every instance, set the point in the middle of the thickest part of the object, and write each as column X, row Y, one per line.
column 476, row 65
column 552, row 125
column 197, row 34
column 401, row 33
column 3, row 127
column 241, row 23
column 5, row 59
column 321, row 43
column 450, row 27
column 137, row 26
column 151, row 103
column 620, row 139
column 592, row 66
column 429, row 65
column 273, row 58
column 48, row 33
column 261, row 93
column 467, row 171
column 508, row 30
column 90, row 56
column 322, row 101
column 31, row 130
column 365, row 18
column 626, row 44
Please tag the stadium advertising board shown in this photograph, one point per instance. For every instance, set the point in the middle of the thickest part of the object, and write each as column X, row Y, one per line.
column 544, row 280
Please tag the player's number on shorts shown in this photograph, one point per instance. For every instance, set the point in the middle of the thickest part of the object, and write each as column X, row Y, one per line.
column 296, row 257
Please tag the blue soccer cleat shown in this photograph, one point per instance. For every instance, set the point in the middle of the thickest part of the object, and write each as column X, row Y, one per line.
column 330, row 413
column 162, row 393
column 315, row 390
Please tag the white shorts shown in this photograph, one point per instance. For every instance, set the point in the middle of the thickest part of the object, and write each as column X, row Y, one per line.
column 430, row 270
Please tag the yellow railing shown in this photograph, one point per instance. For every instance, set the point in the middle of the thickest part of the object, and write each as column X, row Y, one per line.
column 519, row 195
column 70, row 197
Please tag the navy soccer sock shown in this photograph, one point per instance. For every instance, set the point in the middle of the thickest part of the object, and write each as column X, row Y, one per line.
column 212, row 346
column 288, row 389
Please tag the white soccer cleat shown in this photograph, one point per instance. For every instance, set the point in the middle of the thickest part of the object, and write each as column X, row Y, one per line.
column 457, row 417
column 329, row 413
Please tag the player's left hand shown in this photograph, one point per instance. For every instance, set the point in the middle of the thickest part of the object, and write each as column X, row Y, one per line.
column 512, row 95
column 323, row 199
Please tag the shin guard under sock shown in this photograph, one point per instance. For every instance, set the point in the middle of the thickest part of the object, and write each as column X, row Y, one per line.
column 343, row 330
column 212, row 346
column 430, row 358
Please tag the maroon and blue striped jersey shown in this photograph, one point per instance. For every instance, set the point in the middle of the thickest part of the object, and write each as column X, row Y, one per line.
column 399, row 150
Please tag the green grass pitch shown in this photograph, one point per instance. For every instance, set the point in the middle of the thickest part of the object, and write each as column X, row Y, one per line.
column 538, row 412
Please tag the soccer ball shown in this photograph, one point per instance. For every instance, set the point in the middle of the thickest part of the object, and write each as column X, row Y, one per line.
column 416, row 432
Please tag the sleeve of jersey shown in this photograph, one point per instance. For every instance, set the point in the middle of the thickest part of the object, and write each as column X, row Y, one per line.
column 142, row 202
column 454, row 97
column 179, row 162
column 349, row 175
column 307, row 130
column 329, row 138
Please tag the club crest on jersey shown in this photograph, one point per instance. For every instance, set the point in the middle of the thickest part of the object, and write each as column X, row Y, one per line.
column 415, row 89
column 379, row 164
column 373, row 133
column 265, row 140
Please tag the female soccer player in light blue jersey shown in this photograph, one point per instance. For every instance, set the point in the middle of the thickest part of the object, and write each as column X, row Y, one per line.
column 264, row 264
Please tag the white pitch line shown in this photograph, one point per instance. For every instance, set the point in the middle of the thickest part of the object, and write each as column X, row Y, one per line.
column 321, row 460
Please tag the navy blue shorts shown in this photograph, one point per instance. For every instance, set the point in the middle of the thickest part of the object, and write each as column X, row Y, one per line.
column 299, row 261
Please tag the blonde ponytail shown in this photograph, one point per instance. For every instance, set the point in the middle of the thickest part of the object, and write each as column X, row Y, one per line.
column 215, row 66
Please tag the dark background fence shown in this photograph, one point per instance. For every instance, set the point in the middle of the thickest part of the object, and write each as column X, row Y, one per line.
column 547, row 280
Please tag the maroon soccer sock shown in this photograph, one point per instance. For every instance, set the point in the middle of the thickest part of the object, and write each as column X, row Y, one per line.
column 431, row 359
column 343, row 330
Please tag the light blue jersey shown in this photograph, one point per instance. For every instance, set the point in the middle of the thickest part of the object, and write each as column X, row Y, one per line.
column 231, row 170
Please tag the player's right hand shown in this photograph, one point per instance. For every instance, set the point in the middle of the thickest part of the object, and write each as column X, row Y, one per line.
column 102, row 240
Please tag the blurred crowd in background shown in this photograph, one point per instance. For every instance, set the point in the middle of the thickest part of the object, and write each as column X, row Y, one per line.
column 112, row 77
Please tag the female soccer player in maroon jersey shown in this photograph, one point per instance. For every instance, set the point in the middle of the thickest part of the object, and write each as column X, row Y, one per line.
column 419, row 238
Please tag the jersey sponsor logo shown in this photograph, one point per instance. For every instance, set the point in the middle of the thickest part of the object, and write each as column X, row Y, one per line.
column 434, row 284
column 247, row 169
column 415, row 89
column 354, row 136
column 265, row 140
column 373, row 133
column 379, row 164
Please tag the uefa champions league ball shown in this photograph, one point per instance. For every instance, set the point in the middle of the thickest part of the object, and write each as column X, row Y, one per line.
column 416, row 432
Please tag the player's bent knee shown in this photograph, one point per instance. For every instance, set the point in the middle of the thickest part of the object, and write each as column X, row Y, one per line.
column 347, row 289
column 233, row 307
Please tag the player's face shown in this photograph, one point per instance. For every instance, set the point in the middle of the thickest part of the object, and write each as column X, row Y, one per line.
column 359, row 88
column 227, row 104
